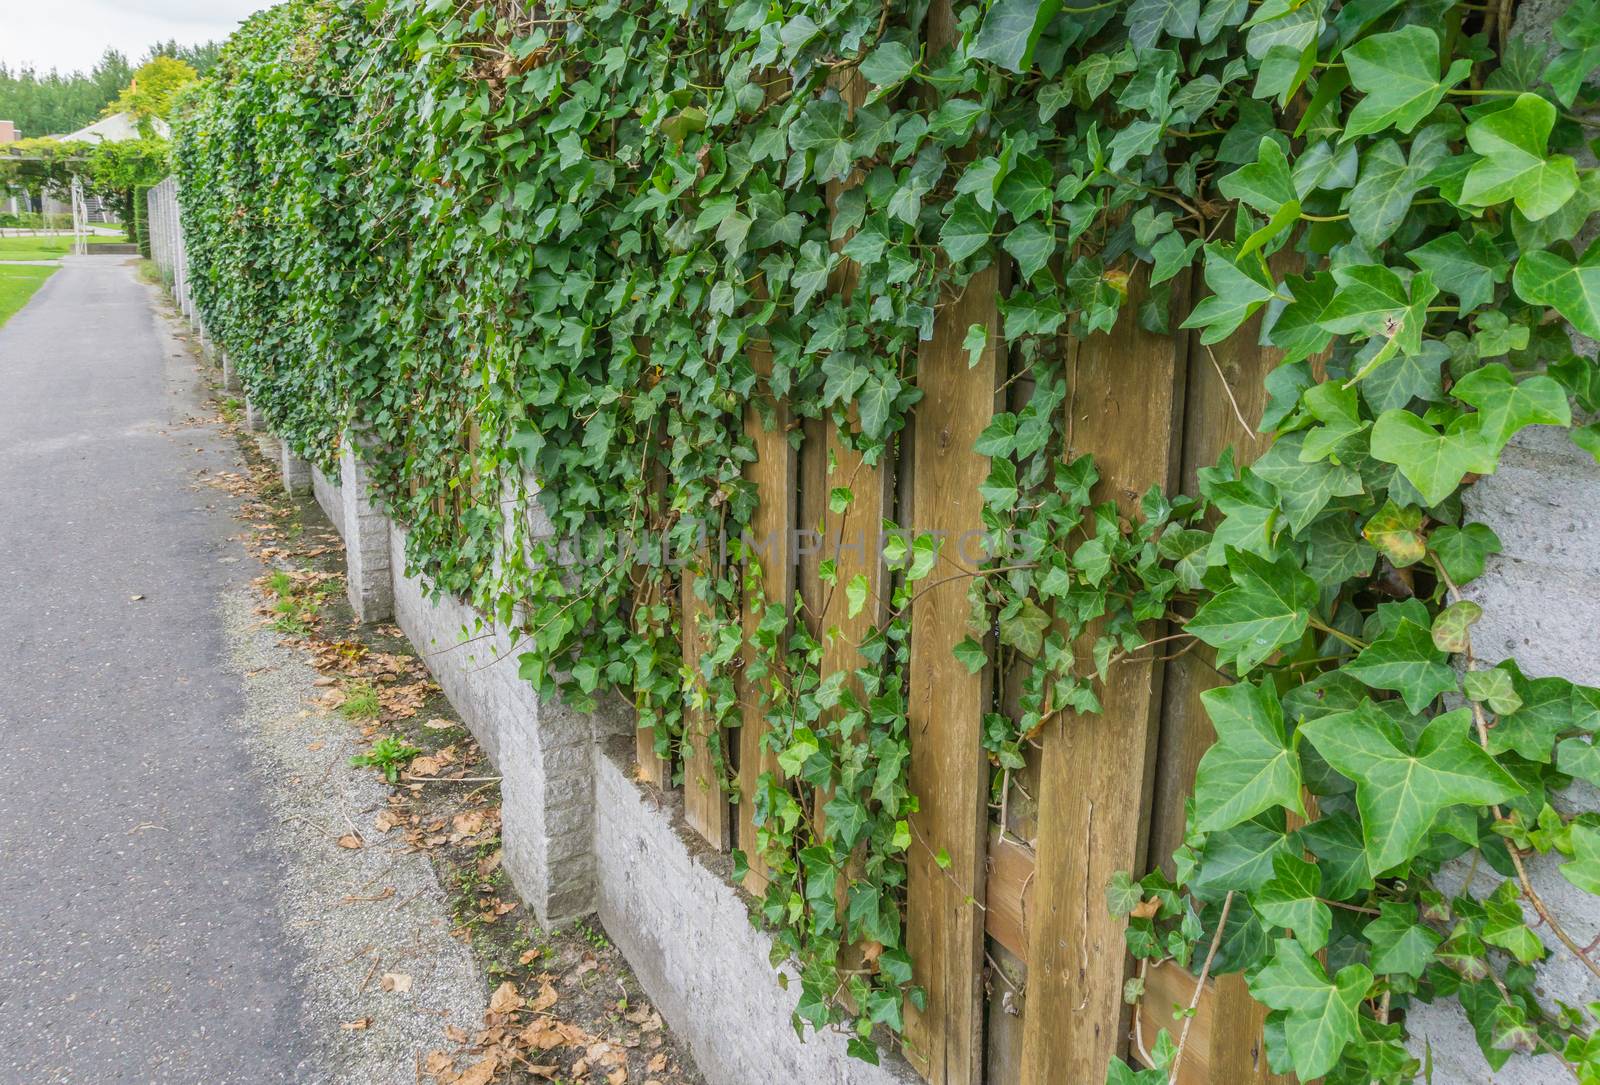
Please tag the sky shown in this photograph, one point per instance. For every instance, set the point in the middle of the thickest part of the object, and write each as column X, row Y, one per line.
column 72, row 34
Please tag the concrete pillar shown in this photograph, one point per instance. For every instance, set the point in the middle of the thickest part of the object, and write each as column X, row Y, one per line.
column 230, row 373
column 366, row 540
column 296, row 472
column 252, row 417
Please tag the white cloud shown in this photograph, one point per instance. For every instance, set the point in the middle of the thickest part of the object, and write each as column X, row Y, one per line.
column 72, row 34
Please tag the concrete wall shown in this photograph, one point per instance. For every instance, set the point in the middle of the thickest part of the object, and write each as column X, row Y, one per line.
column 581, row 836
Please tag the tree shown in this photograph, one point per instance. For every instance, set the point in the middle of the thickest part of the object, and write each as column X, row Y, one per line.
column 150, row 94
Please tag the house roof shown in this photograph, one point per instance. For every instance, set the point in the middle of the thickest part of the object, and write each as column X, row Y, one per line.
column 113, row 129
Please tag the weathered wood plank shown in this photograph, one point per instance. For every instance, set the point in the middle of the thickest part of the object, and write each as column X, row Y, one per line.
column 705, row 807
column 1124, row 406
column 771, row 535
column 949, row 771
column 1227, row 395
column 653, row 768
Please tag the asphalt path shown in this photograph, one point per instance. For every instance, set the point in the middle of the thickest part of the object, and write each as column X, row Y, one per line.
column 139, row 941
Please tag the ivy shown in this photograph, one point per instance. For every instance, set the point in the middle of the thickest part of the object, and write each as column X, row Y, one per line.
column 536, row 260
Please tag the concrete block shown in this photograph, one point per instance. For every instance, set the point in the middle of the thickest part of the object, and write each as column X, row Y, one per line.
column 296, row 472
column 540, row 749
column 687, row 932
column 330, row 497
column 252, row 418
column 366, row 540
column 230, row 373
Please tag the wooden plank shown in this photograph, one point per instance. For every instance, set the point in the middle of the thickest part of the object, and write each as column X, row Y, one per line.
column 653, row 768
column 949, row 771
column 1124, row 406
column 771, row 530
column 705, row 807
column 1226, row 399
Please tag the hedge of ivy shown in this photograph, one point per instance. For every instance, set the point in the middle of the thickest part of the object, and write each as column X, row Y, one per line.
column 559, row 228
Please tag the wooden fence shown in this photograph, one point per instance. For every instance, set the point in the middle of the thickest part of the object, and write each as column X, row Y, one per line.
column 1023, row 965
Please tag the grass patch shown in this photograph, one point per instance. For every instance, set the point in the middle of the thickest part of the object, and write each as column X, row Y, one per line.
column 361, row 702
column 17, row 285
column 48, row 246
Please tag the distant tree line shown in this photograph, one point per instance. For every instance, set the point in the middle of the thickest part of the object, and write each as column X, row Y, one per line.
column 53, row 103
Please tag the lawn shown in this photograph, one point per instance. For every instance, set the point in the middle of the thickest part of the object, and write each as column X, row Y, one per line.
column 45, row 247
column 17, row 284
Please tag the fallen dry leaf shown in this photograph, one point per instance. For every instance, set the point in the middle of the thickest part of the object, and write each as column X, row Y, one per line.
column 397, row 982
column 480, row 1073
column 505, row 999
column 352, row 841
column 546, row 998
column 440, row 724
column 617, row 1076
column 357, row 1025
column 527, row 958
column 657, row 1064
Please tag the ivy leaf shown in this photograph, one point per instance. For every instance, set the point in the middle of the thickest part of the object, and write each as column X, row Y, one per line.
column 1584, row 870
column 1514, row 166
column 1322, row 1015
column 1399, row 72
column 967, row 229
column 1494, row 688
column 971, row 655
column 1401, row 792
column 1250, row 768
column 1548, row 708
column 1579, row 757
column 1400, row 945
column 887, row 66
column 1267, row 607
column 1433, row 462
column 1032, row 244
column 1468, row 269
column 1146, row 19
column 855, row 594
column 875, row 400
column 1397, row 533
column 1389, row 181
column 1291, row 899
column 1264, row 184
column 1463, row 550
column 1236, row 293
column 1573, row 290
column 1025, row 629
column 1404, row 659
column 1506, row 404
column 1505, row 926
column 1011, row 31
column 1452, row 628
column 1304, row 488
column 1404, row 377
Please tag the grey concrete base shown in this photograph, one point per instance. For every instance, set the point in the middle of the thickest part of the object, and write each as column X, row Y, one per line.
column 230, row 373
column 688, row 935
column 541, row 749
column 366, row 541
column 1541, row 606
column 252, row 418
column 295, row 471
column 330, row 497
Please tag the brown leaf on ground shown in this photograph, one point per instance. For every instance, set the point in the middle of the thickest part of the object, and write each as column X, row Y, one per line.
column 657, row 1064
column 528, row 957
column 388, row 819
column 357, row 1025
column 546, row 997
column 396, row 982
column 617, row 1076
column 505, row 999
column 352, row 841
column 480, row 1073
column 455, row 1034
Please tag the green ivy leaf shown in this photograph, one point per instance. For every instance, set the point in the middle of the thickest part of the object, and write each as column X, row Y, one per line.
column 1468, row 269
column 1237, row 291
column 1463, row 550
column 1494, row 688
column 1573, row 290
column 1514, row 167
column 1405, row 660
column 1251, row 767
column 1291, row 899
column 1011, row 30
column 1433, row 462
column 1401, row 946
column 1506, row 404
column 1504, row 925
column 1322, row 1015
column 1266, row 608
column 1399, row 72
column 1401, row 791
column 1264, row 184
column 1584, row 870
